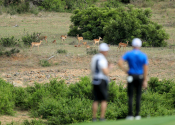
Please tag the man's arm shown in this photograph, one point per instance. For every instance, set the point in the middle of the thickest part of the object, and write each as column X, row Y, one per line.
column 120, row 64
column 145, row 73
column 107, row 70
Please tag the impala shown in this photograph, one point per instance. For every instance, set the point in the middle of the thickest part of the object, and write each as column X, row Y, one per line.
column 122, row 45
column 97, row 40
column 36, row 44
column 63, row 37
column 79, row 38
column 42, row 37
column 54, row 42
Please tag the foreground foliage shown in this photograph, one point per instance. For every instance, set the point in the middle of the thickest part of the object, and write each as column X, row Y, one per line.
column 61, row 104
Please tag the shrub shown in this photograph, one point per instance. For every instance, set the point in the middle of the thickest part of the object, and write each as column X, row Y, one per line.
column 90, row 22
column 9, row 53
column 161, row 87
column 7, row 101
column 135, row 23
column 34, row 122
column 61, row 51
column 44, row 63
column 82, row 89
column 111, row 4
column 8, row 42
column 154, row 104
column 74, row 4
column 34, row 10
column 92, row 51
column 11, row 2
column 21, row 97
column 54, row 5
column 63, row 113
column 57, row 89
column 37, row 96
column 118, row 25
column 28, row 39
column 23, row 7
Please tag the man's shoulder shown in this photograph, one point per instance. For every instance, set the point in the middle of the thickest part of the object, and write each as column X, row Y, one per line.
column 143, row 54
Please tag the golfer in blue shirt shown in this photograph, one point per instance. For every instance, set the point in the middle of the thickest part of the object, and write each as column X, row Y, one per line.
column 137, row 73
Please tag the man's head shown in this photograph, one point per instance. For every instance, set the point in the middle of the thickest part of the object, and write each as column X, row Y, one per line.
column 103, row 48
column 136, row 43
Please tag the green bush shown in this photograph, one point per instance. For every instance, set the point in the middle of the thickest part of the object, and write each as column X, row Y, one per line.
column 9, row 53
column 23, row 7
column 21, row 97
column 63, row 113
column 111, row 4
column 154, row 104
column 8, row 42
column 37, row 96
column 34, row 122
column 82, row 89
column 44, row 63
column 54, row 5
column 7, row 101
column 118, row 25
column 92, row 51
column 80, row 4
column 61, row 104
column 61, row 51
column 11, row 2
column 28, row 39
column 90, row 22
column 161, row 87
column 34, row 10
column 135, row 23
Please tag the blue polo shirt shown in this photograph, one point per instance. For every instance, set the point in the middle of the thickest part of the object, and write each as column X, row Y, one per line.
column 136, row 60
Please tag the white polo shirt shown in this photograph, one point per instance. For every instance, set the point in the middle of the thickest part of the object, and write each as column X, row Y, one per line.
column 98, row 63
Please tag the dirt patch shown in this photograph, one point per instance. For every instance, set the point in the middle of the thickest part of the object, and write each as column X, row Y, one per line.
column 20, row 117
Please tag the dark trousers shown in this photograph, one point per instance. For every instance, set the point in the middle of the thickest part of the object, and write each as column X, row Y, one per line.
column 135, row 86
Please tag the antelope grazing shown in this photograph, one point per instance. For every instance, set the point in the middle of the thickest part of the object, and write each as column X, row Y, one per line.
column 87, row 46
column 85, row 43
column 63, row 37
column 77, row 45
column 42, row 37
column 36, row 44
column 54, row 42
column 122, row 45
column 79, row 39
column 97, row 40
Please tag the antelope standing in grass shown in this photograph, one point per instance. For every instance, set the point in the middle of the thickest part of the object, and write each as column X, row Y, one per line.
column 97, row 40
column 36, row 44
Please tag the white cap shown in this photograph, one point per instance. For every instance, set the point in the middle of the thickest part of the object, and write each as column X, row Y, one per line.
column 136, row 42
column 103, row 47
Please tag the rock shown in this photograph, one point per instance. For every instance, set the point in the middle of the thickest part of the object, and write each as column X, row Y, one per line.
column 40, row 76
column 68, row 83
column 16, row 74
column 58, row 70
column 25, row 78
column 114, row 78
column 8, row 76
column 17, row 83
column 32, row 72
column 42, row 71
column 47, row 76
